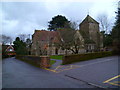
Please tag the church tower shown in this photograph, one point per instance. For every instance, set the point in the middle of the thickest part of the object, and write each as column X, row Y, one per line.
column 90, row 28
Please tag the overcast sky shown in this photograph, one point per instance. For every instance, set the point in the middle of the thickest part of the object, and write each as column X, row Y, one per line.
column 25, row 17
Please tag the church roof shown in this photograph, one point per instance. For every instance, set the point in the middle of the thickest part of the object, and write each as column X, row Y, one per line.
column 89, row 19
column 44, row 35
column 67, row 35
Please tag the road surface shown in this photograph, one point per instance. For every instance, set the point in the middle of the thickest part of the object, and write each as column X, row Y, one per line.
column 18, row 74
column 102, row 72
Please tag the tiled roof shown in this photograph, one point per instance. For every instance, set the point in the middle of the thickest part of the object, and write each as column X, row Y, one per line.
column 44, row 35
column 67, row 35
column 55, row 36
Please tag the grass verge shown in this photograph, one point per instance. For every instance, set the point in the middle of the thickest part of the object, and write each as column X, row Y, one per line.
column 58, row 57
column 52, row 62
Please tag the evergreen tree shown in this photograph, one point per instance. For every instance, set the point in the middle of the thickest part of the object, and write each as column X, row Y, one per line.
column 57, row 22
column 116, row 33
column 20, row 47
column 107, row 39
column 28, row 45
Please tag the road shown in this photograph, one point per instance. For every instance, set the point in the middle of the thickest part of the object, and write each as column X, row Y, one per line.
column 18, row 74
column 102, row 72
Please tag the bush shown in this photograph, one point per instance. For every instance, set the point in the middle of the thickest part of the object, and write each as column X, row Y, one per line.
column 82, row 57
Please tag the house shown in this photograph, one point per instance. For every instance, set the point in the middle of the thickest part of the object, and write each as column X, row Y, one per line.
column 8, row 50
column 63, row 41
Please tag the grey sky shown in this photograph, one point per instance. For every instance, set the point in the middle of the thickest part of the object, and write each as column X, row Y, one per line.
column 25, row 17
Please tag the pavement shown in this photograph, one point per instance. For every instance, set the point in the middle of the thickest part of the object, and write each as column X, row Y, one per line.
column 96, row 73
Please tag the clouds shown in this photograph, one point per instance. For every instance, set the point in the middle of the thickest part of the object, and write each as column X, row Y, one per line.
column 25, row 17
column 22, row 17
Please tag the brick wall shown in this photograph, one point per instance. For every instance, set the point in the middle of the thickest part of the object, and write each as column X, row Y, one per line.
column 42, row 61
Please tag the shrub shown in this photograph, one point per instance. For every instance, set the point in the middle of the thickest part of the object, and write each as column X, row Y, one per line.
column 67, row 59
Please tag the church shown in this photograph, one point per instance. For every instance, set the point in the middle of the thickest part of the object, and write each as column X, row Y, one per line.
column 89, row 29
column 87, row 39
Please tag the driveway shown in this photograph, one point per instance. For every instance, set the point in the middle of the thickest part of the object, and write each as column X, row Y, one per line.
column 18, row 74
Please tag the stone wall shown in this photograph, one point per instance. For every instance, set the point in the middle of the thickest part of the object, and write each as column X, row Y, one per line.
column 91, row 29
column 84, row 27
column 94, row 33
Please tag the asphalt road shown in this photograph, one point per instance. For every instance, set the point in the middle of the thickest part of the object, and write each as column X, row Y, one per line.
column 17, row 74
column 102, row 72
column 96, row 71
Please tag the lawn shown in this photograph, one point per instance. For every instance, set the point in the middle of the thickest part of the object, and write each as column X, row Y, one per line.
column 58, row 57
column 52, row 62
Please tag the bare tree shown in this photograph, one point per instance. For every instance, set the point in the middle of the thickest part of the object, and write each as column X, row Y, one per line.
column 40, row 48
column 27, row 39
column 28, row 44
column 6, row 39
column 72, row 25
column 104, row 22
column 22, row 37
column 70, row 40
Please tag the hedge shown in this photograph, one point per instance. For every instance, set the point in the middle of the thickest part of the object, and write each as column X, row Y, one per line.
column 67, row 59
column 7, row 56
